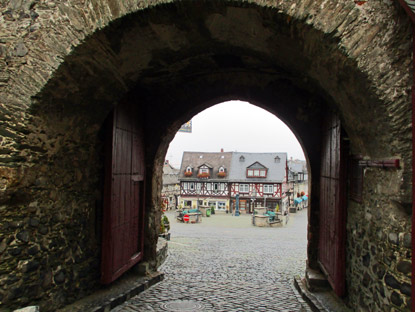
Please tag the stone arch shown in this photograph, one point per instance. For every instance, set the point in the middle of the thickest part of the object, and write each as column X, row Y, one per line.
column 79, row 57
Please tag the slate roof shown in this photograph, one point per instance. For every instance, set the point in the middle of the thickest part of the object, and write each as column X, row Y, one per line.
column 276, row 170
column 215, row 160
column 297, row 166
column 170, row 174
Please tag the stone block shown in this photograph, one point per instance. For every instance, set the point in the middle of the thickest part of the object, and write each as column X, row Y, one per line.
column 28, row 309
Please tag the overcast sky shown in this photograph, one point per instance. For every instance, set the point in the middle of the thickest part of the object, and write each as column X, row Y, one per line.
column 235, row 126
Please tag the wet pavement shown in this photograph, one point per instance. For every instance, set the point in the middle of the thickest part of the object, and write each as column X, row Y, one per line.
column 226, row 264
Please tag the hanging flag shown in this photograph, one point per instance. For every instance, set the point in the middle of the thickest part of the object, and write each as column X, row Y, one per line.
column 187, row 127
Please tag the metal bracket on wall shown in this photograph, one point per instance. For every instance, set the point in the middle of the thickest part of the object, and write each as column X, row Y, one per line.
column 390, row 163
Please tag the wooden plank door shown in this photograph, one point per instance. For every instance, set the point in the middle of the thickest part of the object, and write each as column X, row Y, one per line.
column 123, row 217
column 332, row 227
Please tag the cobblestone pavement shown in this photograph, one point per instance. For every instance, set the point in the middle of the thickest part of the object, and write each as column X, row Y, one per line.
column 226, row 264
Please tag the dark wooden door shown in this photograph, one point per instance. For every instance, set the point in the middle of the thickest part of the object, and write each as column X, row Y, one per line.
column 332, row 227
column 122, row 245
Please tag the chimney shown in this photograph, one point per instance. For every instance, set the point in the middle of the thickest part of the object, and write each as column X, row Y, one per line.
column 221, row 150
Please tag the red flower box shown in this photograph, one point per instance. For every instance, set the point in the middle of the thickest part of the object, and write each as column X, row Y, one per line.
column 203, row 175
column 188, row 173
column 221, row 174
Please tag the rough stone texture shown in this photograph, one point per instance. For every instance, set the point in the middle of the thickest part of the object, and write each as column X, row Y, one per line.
column 64, row 65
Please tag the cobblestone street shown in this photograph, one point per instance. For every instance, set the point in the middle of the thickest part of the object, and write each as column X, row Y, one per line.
column 226, row 264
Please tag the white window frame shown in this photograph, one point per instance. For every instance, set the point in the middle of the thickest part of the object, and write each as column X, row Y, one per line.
column 243, row 188
column 191, row 186
column 189, row 169
column 216, row 187
column 221, row 205
column 204, row 170
column 268, row 189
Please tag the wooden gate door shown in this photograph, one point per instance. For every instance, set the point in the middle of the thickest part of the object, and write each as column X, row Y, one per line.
column 332, row 226
column 123, row 217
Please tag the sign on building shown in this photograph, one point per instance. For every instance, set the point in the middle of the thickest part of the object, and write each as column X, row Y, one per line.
column 187, row 127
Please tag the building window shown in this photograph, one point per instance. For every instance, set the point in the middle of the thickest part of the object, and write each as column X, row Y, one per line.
column 215, row 187
column 277, row 159
column 204, row 170
column 192, row 186
column 243, row 188
column 269, row 189
column 221, row 169
column 209, row 186
column 185, row 186
column 221, row 205
column 241, row 159
column 256, row 173
column 199, row 186
column 189, row 169
column 222, row 186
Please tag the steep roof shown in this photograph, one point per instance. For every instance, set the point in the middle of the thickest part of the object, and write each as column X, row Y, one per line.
column 197, row 159
column 241, row 161
column 170, row 174
column 297, row 166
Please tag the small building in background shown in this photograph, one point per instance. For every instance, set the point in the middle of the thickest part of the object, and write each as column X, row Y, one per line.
column 171, row 186
column 297, row 177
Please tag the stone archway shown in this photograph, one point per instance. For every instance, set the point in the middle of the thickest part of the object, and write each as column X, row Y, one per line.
column 294, row 58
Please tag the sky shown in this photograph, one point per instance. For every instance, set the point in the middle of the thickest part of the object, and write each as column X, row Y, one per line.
column 235, row 126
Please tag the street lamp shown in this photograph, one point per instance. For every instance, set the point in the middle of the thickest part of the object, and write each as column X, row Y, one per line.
column 288, row 193
column 237, row 205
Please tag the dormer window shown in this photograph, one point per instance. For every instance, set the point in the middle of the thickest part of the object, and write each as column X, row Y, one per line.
column 221, row 172
column 203, row 170
column 277, row 159
column 188, row 172
column 256, row 170
column 242, row 159
column 256, row 173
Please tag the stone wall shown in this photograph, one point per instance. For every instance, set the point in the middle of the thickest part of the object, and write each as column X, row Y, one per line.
column 65, row 65
column 379, row 245
column 50, row 245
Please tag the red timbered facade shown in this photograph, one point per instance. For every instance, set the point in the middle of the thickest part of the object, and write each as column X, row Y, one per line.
column 204, row 189
column 216, row 178
column 258, row 179
column 272, row 190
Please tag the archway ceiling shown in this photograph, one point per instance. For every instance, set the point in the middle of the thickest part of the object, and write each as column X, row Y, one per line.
column 158, row 51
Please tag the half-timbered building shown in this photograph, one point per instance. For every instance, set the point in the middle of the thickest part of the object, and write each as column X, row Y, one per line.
column 259, row 179
column 297, row 176
column 204, row 179
column 171, row 189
